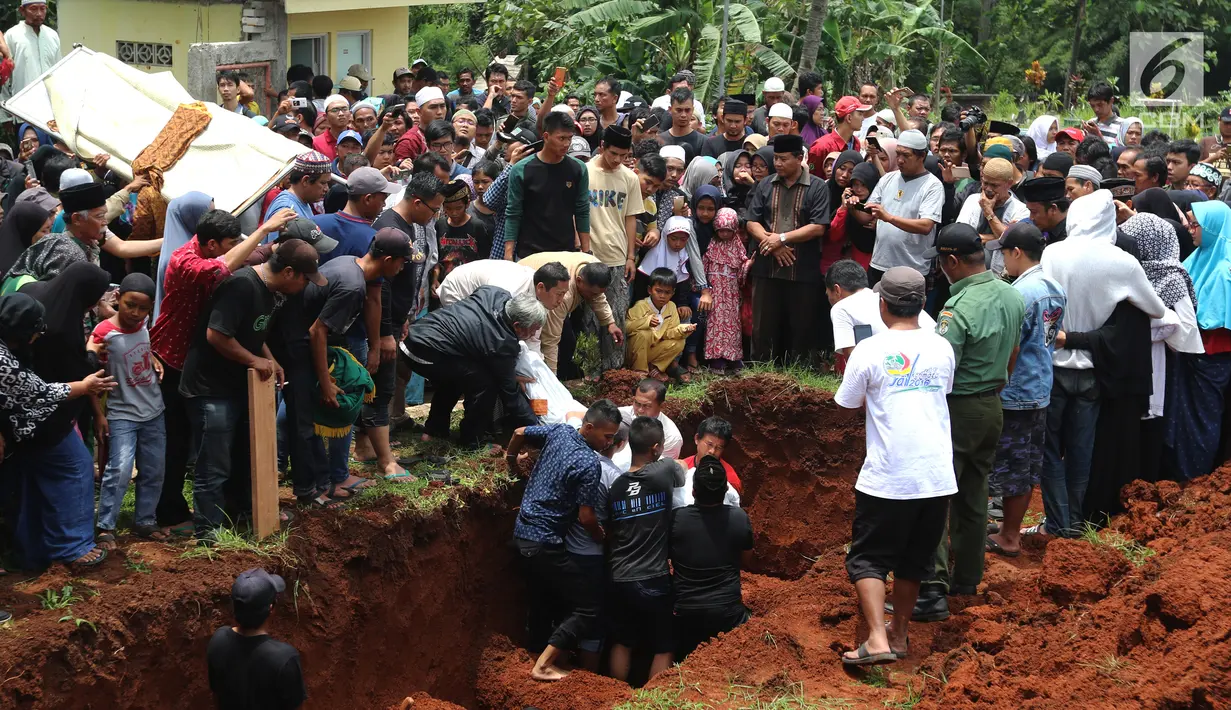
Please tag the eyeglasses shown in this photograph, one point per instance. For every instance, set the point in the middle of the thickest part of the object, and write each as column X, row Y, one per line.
column 441, row 145
column 588, row 119
column 338, row 110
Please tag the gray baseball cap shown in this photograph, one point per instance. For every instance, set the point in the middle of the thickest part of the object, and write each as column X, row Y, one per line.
column 369, row 181
column 901, row 286
column 306, row 230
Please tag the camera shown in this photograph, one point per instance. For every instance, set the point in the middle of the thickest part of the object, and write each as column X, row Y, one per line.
column 297, row 102
column 974, row 117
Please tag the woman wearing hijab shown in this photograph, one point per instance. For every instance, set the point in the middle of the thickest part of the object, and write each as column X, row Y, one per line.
column 813, row 128
column 1172, row 205
column 1131, row 131
column 17, row 185
column 883, row 153
column 183, row 213
column 737, row 178
column 1196, row 397
column 705, row 205
column 835, row 238
column 589, row 129
column 701, row 171
column 50, row 475
column 23, row 225
column 1043, row 132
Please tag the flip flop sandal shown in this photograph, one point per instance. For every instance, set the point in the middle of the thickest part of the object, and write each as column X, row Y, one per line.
column 993, row 528
column 78, row 565
column 900, row 654
column 322, row 502
column 995, row 548
column 439, row 475
column 869, row 659
column 402, row 477
column 1040, row 529
column 356, row 488
column 154, row 533
column 184, row 530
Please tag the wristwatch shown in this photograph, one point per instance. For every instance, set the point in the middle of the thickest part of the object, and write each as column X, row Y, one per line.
column 782, row 238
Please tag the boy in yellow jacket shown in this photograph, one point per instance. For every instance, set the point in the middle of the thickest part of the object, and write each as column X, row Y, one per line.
column 653, row 331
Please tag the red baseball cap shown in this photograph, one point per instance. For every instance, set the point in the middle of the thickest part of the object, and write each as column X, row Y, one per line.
column 1074, row 133
column 848, row 104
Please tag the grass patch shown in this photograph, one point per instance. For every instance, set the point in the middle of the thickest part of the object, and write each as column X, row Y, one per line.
column 79, row 622
column 231, row 540
column 786, row 696
column 62, row 599
column 134, row 562
column 913, row 698
column 1109, row 666
column 876, row 676
column 661, row 699
column 1133, row 551
column 807, row 378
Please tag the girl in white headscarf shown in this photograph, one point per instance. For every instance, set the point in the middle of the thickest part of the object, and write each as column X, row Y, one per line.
column 1043, row 132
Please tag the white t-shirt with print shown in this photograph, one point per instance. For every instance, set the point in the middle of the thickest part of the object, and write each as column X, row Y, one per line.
column 901, row 377
column 863, row 308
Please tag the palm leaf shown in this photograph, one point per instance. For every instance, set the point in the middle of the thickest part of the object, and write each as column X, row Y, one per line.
column 949, row 39
column 661, row 24
column 774, row 62
column 743, row 22
column 612, row 11
column 707, row 62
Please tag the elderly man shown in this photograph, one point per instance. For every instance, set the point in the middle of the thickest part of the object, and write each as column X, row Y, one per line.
column 771, row 94
column 648, row 401
column 588, row 281
column 470, row 349
column 32, row 46
column 788, row 213
column 994, row 208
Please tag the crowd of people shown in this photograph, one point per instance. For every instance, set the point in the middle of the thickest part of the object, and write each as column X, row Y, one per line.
column 1012, row 306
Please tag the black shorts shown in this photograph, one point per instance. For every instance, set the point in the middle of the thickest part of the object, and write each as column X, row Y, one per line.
column 641, row 614
column 1019, row 453
column 898, row 536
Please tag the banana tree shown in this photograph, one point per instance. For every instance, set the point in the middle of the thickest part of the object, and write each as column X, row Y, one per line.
column 684, row 34
column 870, row 39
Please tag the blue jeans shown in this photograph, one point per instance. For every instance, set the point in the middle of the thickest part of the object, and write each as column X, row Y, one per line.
column 146, row 443
column 49, row 501
column 1068, row 448
column 221, row 454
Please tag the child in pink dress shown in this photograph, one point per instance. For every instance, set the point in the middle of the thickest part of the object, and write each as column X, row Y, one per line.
column 724, row 267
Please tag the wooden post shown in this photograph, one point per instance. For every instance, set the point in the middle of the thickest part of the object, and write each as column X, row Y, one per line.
column 262, row 427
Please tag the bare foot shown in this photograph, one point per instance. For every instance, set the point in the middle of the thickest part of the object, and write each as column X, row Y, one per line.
column 548, row 673
column 1001, row 540
column 393, row 469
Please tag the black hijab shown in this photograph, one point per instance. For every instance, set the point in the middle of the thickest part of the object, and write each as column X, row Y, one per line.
column 767, row 154
column 21, row 318
column 19, row 227
column 835, row 190
column 597, row 138
column 863, row 237
column 17, row 185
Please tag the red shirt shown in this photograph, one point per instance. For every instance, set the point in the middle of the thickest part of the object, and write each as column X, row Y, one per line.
column 326, row 144
column 410, row 145
column 829, row 143
column 187, row 286
column 732, row 478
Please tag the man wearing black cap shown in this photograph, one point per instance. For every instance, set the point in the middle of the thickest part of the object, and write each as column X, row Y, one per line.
column 1044, row 197
column 85, row 215
column 731, row 137
column 230, row 339
column 331, row 317
column 615, row 203
column 982, row 320
column 247, row 667
column 900, row 377
column 1056, row 165
column 1019, row 454
column 788, row 213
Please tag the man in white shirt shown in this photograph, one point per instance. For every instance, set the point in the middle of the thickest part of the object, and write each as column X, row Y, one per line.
column 648, row 402
column 33, row 46
column 900, row 377
column 907, row 204
column 993, row 208
column 856, row 308
column 549, row 282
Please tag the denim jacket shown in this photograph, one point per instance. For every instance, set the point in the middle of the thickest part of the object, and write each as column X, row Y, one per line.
column 1030, row 385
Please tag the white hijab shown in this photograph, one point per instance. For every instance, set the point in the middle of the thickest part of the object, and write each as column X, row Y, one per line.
column 661, row 256
column 1092, row 218
column 1038, row 131
column 1125, row 123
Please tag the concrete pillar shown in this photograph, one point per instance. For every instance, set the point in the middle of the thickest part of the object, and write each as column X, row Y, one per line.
column 262, row 56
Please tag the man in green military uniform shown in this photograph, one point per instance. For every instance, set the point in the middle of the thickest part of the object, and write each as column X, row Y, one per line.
column 982, row 320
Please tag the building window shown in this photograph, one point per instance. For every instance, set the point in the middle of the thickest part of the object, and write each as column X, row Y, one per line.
column 149, row 54
column 352, row 48
column 310, row 51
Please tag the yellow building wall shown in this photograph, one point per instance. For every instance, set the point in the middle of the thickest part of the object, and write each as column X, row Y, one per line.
column 390, row 28
column 98, row 24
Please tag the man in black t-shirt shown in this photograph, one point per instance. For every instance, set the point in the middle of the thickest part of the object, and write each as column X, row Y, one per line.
column 329, row 312
column 548, row 196
column 230, row 339
column 731, row 131
column 682, row 132
column 639, row 524
column 248, row 669
column 710, row 542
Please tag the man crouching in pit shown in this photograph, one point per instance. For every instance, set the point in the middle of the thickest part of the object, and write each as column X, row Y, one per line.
column 900, row 377
column 564, row 486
